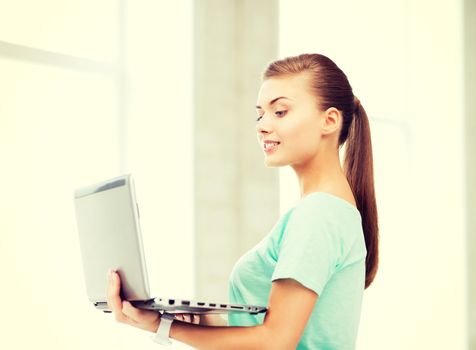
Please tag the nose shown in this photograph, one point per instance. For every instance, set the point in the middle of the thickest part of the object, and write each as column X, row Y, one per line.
column 262, row 127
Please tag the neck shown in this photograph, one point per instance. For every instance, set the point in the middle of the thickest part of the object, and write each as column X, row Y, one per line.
column 323, row 173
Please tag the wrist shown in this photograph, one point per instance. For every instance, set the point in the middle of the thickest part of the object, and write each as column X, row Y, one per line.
column 163, row 327
column 155, row 325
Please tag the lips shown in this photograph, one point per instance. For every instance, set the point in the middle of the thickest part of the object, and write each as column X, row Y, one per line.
column 269, row 145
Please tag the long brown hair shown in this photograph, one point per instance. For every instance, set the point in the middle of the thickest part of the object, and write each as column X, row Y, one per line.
column 332, row 89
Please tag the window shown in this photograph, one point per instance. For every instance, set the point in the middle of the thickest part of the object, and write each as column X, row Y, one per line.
column 84, row 98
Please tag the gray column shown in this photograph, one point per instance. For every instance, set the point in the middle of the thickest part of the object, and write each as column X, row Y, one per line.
column 236, row 196
column 470, row 108
column 470, row 147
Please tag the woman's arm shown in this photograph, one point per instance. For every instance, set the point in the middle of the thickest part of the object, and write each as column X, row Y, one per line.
column 289, row 308
column 202, row 319
column 213, row 320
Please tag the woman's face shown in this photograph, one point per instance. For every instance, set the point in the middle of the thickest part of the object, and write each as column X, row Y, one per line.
column 289, row 121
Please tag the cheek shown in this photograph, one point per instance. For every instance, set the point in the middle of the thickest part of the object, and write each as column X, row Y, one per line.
column 303, row 138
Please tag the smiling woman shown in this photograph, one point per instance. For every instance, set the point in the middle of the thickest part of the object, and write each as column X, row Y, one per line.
column 315, row 263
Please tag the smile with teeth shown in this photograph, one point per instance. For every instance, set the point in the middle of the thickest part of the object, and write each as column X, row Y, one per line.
column 268, row 146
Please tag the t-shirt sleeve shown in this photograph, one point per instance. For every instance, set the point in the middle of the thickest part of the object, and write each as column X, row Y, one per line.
column 309, row 249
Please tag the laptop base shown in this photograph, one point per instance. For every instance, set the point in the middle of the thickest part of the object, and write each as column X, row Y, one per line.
column 187, row 306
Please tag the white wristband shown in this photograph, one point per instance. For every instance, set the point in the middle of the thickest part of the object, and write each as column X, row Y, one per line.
column 162, row 335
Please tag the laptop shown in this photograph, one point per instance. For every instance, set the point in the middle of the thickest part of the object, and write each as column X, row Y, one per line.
column 107, row 217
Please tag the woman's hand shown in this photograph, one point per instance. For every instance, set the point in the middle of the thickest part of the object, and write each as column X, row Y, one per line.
column 123, row 310
column 189, row 318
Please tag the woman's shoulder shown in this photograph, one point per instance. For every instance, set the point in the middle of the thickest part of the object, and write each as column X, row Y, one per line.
column 325, row 203
column 322, row 212
column 326, row 214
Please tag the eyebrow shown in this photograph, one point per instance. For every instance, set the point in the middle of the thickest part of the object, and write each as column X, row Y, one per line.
column 273, row 101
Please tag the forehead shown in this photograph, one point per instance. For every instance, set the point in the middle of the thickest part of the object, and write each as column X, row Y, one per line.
column 294, row 87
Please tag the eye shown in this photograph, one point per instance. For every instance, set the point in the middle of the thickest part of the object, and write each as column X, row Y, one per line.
column 280, row 113
column 259, row 118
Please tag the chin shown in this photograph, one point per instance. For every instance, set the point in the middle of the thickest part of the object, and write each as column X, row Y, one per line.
column 269, row 163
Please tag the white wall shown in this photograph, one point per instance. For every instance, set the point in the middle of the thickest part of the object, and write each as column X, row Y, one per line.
column 65, row 121
column 159, row 145
column 404, row 61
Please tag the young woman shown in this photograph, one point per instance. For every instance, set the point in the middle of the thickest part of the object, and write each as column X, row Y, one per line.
column 312, row 268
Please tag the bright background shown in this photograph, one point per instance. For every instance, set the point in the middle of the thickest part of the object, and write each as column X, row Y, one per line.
column 66, row 108
column 65, row 121
column 405, row 64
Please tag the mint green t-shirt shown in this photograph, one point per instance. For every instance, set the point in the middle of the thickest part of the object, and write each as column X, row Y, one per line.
column 319, row 243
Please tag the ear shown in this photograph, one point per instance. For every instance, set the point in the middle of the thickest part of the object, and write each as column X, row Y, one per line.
column 331, row 121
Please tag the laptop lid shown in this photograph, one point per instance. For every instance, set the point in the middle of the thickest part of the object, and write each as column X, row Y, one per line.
column 109, row 235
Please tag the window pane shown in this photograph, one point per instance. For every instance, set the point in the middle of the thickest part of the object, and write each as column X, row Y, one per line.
column 84, row 28
column 58, row 129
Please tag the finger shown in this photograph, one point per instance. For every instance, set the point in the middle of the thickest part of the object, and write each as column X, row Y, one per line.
column 113, row 290
column 195, row 319
column 182, row 317
column 187, row 318
column 114, row 301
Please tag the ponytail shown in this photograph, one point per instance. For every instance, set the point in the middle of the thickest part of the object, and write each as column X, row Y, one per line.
column 358, row 167
column 331, row 86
